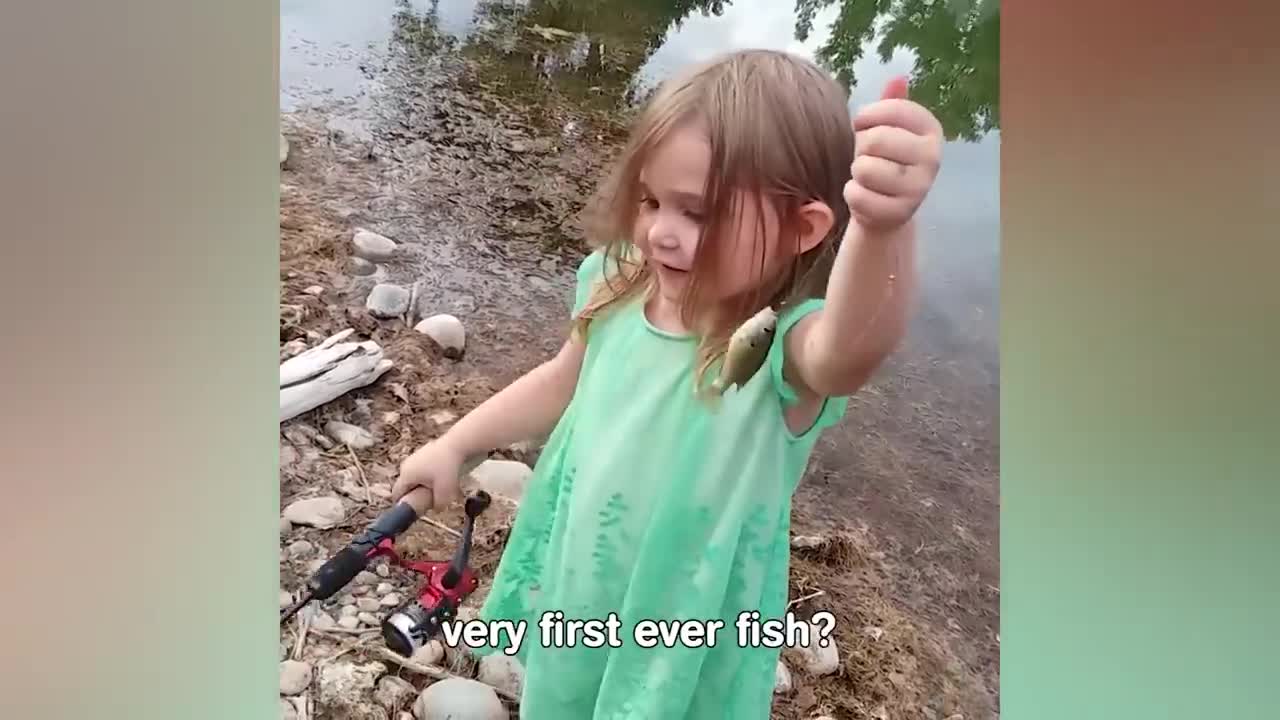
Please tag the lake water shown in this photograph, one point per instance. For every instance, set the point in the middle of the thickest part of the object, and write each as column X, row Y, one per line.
column 330, row 50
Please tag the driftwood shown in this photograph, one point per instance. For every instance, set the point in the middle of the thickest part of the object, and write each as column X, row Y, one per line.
column 327, row 371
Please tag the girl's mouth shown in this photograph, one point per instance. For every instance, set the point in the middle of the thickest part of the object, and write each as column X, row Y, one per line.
column 670, row 269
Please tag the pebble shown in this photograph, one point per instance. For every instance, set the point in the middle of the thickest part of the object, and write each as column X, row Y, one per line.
column 816, row 659
column 286, row 597
column 393, row 693
column 298, row 548
column 347, row 434
column 502, row 672
column 391, row 600
column 873, row 632
column 314, row 290
column 782, row 679
column 442, row 417
column 292, row 349
column 287, row 710
column 447, row 332
column 366, row 578
column 288, row 455
column 283, row 149
column 360, row 267
column 319, row 512
column 373, row 247
column 387, row 301
column 459, row 698
column 369, row 619
column 323, row 621
column 391, row 417
column 345, row 688
column 367, row 604
column 384, row 588
column 359, row 589
column 286, row 527
column 430, row 653
column 383, row 571
column 348, row 610
column 806, row 541
column 295, row 676
column 350, row 622
column 502, row 477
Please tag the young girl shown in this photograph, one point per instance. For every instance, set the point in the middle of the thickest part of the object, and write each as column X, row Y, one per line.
column 652, row 499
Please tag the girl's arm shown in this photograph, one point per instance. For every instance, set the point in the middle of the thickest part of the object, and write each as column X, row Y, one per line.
column 527, row 409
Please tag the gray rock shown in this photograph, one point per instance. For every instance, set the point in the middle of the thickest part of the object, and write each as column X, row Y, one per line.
column 502, row 672
column 447, row 332
column 367, row 604
column 430, row 654
column 459, row 699
column 319, row 512
column 359, row 267
column 364, row 577
column 385, row 588
column 323, row 621
column 383, row 571
column 782, row 679
column 346, row 434
column 350, row 609
column 393, row 693
column 286, row 527
column 503, row 477
column 295, row 676
column 369, row 619
column 299, row 548
column 315, row 290
column 350, row 622
column 816, row 659
column 387, row 301
column 288, row 456
column 373, row 247
column 286, row 597
column 287, row 710
column 391, row 600
column 345, row 688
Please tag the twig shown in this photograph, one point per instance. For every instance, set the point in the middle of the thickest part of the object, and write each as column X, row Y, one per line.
column 364, row 480
column 304, row 626
column 345, row 631
column 431, row 671
column 810, row 596
column 442, row 526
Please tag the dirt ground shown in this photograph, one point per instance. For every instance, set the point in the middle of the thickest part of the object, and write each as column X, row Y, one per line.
column 904, row 494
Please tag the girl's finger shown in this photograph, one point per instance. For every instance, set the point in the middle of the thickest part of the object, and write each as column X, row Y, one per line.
column 897, row 113
column 868, row 206
column 892, row 143
column 885, row 177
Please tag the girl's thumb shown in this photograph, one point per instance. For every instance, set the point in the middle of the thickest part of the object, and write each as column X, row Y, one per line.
column 895, row 89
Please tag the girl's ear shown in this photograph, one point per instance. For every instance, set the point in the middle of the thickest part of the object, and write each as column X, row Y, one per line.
column 814, row 221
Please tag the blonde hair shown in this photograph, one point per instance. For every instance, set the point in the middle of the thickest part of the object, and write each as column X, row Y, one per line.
column 779, row 129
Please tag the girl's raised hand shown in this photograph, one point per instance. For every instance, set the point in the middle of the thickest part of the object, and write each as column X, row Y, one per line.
column 898, row 146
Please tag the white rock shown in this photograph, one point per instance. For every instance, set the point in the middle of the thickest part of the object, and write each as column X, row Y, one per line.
column 350, row 609
column 382, row 571
column 503, row 477
column 295, row 676
column 447, row 332
column 345, row 687
column 364, row 577
column 393, row 693
column 459, row 699
column 350, row 622
column 286, row 527
column 391, row 600
column 442, row 417
column 299, row 548
column 405, row 716
column 373, row 247
column 387, row 301
column 359, row 590
column 429, row 654
column 367, row 604
column 318, row 512
column 323, row 621
column 806, row 541
column 288, row 455
column 369, row 619
column 286, row 597
column 502, row 672
column 873, row 632
column 816, row 659
column 314, row 290
column 287, row 710
column 782, row 679
column 347, row 434
column 360, row 267
column 385, row 588
column 284, row 148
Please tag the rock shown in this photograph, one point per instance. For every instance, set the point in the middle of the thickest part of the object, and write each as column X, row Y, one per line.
column 503, row 477
column 319, row 512
column 373, row 247
column 385, row 588
column 314, row 290
column 323, row 621
column 298, row 548
column 295, row 676
column 390, row 418
column 381, row 491
column 364, row 577
column 288, row 455
column 806, row 541
column 287, row 710
column 360, row 267
column 459, row 699
column 350, row 622
column 782, row 679
column 300, row 435
column 442, row 417
column 369, row 619
column 346, row 434
column 393, row 693
column 387, row 301
column 284, row 148
column 292, row 348
column 429, row 654
column 286, row 597
column 447, row 332
column 880, row 713
column 359, row 590
column 324, row 442
column 349, row 610
column 382, row 571
column 405, row 716
column 816, row 659
column 286, row 527
column 345, row 688
column 367, row 604
column 391, row 600
column 502, row 672
column 873, row 632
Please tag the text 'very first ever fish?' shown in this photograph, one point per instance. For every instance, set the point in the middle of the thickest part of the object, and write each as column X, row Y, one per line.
column 554, row 630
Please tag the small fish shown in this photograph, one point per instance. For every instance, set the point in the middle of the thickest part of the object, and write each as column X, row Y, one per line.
column 748, row 347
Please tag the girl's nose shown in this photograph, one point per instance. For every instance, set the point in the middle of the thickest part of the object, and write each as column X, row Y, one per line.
column 662, row 235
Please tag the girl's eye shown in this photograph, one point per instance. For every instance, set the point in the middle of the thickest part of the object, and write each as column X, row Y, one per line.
column 649, row 202
column 693, row 215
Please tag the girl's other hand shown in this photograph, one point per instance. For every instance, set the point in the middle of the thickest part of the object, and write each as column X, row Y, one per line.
column 435, row 466
column 897, row 150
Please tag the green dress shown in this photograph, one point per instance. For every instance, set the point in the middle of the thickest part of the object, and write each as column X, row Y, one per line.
column 646, row 505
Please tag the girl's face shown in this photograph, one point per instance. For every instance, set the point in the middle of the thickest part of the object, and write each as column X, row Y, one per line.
column 672, row 214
